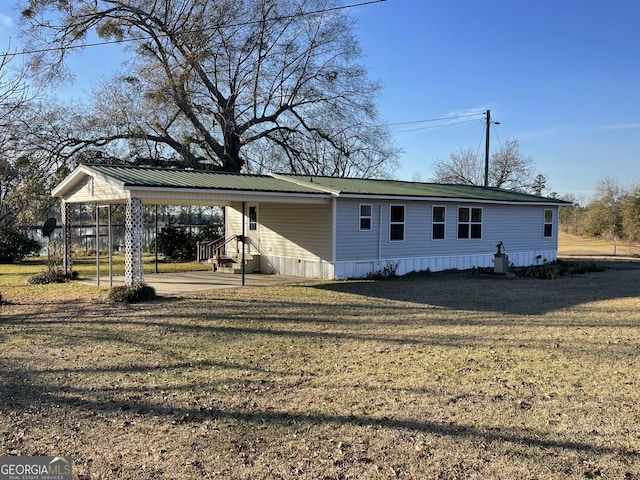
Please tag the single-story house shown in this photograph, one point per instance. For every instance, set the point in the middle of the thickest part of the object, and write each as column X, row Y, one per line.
column 331, row 228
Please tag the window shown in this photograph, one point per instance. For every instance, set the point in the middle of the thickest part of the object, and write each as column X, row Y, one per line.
column 396, row 223
column 253, row 218
column 548, row 223
column 437, row 223
column 365, row 217
column 469, row 223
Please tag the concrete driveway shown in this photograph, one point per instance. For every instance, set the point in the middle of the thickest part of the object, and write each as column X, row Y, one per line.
column 185, row 283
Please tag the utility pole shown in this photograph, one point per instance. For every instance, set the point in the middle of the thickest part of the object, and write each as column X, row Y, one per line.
column 486, row 150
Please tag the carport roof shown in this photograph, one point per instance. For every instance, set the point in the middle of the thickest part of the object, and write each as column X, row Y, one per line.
column 129, row 176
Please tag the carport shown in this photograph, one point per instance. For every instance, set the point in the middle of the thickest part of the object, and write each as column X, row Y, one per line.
column 105, row 185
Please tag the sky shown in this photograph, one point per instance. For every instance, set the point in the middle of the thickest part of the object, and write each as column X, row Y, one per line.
column 562, row 77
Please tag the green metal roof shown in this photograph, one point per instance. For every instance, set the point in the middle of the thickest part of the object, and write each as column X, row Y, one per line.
column 151, row 177
column 198, row 179
column 368, row 187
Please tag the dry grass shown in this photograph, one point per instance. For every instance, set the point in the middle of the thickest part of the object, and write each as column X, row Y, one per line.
column 13, row 278
column 444, row 376
column 572, row 246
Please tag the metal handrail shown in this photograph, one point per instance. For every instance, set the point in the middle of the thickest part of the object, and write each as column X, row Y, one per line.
column 213, row 248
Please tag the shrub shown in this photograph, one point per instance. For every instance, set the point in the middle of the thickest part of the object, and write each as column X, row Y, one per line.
column 139, row 292
column 550, row 271
column 387, row 272
column 15, row 245
column 177, row 243
column 51, row 275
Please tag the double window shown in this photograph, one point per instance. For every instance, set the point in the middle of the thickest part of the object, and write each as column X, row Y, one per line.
column 469, row 223
column 396, row 223
column 437, row 223
column 548, row 223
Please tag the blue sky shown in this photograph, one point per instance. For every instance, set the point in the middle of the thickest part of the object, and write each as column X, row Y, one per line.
column 561, row 76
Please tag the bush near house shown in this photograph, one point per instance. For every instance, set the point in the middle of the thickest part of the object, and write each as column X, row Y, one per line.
column 53, row 274
column 139, row 292
column 15, row 245
column 180, row 244
column 177, row 243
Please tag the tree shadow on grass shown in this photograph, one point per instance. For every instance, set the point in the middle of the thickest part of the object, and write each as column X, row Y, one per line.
column 23, row 387
column 21, row 391
column 468, row 291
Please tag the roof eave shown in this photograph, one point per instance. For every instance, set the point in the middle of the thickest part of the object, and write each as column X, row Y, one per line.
column 148, row 188
column 540, row 202
column 77, row 176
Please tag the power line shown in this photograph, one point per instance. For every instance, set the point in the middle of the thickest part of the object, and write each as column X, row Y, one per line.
column 452, row 117
column 241, row 24
column 431, row 126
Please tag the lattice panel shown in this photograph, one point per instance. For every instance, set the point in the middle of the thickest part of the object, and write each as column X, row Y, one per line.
column 133, row 271
column 67, row 240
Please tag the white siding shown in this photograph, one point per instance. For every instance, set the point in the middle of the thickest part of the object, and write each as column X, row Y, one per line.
column 292, row 239
column 296, row 239
column 519, row 227
column 96, row 190
column 402, row 266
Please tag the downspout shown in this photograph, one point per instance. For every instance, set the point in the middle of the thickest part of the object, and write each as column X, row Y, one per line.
column 334, row 222
column 380, row 232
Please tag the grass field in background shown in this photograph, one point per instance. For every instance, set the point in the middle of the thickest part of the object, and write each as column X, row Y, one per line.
column 13, row 277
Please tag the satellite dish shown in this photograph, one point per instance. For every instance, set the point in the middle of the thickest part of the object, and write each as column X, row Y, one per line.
column 48, row 227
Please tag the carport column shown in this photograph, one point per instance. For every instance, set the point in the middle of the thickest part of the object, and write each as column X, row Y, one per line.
column 133, row 271
column 67, row 253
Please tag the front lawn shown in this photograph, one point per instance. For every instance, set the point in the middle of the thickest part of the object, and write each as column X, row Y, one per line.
column 447, row 375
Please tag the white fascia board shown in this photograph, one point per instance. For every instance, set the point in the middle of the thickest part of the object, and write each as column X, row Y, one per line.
column 238, row 195
column 444, row 199
column 79, row 174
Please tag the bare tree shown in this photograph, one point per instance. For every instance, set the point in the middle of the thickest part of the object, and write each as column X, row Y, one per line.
column 14, row 103
column 508, row 169
column 221, row 82
column 604, row 213
column 631, row 213
column 463, row 168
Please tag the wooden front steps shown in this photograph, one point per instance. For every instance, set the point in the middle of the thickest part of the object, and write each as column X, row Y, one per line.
column 233, row 265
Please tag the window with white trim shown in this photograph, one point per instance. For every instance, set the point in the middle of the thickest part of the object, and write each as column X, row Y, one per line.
column 437, row 223
column 365, row 217
column 253, row 218
column 469, row 223
column 548, row 223
column 396, row 223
